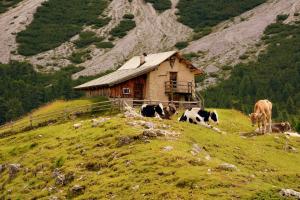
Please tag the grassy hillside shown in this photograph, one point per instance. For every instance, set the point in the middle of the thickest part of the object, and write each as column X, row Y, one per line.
column 56, row 21
column 93, row 158
column 199, row 14
column 275, row 76
column 5, row 4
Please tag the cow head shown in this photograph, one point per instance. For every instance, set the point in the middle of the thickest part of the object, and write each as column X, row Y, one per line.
column 255, row 117
column 286, row 126
column 214, row 116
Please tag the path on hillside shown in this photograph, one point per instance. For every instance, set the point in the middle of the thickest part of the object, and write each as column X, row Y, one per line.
column 13, row 21
column 226, row 45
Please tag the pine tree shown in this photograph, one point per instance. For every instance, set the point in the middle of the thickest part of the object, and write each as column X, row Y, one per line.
column 291, row 108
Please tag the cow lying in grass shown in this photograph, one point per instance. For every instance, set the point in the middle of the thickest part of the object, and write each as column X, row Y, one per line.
column 199, row 116
column 158, row 111
column 262, row 115
column 281, row 127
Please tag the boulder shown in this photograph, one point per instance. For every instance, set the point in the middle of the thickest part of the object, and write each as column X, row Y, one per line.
column 168, row 148
column 150, row 133
column 13, row 169
column 227, row 167
column 126, row 140
column 149, row 125
column 76, row 190
column 290, row 193
column 63, row 179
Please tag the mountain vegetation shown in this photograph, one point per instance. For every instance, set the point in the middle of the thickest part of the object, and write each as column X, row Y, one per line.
column 124, row 26
column 56, row 21
column 5, row 4
column 200, row 14
column 274, row 76
column 160, row 5
column 23, row 89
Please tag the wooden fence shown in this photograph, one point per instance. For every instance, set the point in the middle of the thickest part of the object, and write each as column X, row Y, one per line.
column 106, row 107
column 34, row 121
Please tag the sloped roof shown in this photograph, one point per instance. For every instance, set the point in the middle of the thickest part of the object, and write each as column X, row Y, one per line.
column 131, row 69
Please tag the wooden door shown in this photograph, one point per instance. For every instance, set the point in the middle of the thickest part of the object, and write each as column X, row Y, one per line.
column 138, row 91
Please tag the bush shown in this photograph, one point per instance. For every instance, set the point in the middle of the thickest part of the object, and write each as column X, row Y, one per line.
column 283, row 17
column 4, row 5
column 181, row 45
column 87, row 38
column 201, row 32
column 55, row 22
column 100, row 22
column 202, row 13
column 190, row 56
column 80, row 57
column 160, row 5
column 128, row 16
column 122, row 29
column 105, row 45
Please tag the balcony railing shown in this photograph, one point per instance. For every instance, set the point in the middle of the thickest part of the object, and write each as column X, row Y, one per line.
column 179, row 87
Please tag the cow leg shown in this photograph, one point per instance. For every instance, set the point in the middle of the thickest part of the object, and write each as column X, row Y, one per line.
column 259, row 127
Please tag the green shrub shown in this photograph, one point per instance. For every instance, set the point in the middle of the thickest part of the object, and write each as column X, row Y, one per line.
column 190, row 56
column 181, row 45
column 281, row 17
column 121, row 29
column 160, row 5
column 80, row 56
column 203, row 13
column 55, row 22
column 128, row 16
column 59, row 162
column 4, row 5
column 227, row 67
column 105, row 45
column 87, row 38
column 201, row 32
column 100, row 22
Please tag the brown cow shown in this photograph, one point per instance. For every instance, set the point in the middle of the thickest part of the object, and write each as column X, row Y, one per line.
column 281, row 127
column 262, row 115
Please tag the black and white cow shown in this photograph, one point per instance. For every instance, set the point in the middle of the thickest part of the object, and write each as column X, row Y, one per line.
column 158, row 111
column 199, row 116
column 152, row 110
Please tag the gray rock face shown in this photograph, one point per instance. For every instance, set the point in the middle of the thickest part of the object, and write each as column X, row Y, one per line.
column 13, row 169
column 290, row 193
column 227, row 167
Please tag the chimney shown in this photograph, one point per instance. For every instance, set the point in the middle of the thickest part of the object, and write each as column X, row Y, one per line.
column 142, row 59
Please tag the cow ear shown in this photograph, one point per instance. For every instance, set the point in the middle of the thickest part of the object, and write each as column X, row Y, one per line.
column 282, row 124
column 249, row 115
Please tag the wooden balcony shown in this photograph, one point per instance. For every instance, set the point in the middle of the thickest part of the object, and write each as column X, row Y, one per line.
column 179, row 87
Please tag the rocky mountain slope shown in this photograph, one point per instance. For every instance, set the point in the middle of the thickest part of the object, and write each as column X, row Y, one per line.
column 154, row 32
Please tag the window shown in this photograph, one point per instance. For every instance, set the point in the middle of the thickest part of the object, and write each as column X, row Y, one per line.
column 126, row 91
